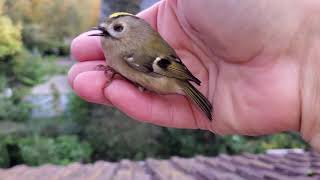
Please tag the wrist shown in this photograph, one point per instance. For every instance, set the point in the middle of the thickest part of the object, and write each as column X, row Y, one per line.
column 310, row 99
column 310, row 78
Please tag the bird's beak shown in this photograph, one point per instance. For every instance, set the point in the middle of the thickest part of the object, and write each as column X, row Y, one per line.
column 102, row 32
column 97, row 34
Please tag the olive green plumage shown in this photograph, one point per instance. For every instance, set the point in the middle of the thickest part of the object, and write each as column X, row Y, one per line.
column 141, row 55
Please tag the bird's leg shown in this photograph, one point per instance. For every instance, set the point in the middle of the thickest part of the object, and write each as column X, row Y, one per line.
column 107, row 70
column 101, row 67
column 141, row 89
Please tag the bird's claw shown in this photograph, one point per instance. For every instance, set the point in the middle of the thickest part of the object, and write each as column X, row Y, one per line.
column 141, row 89
column 107, row 70
column 100, row 67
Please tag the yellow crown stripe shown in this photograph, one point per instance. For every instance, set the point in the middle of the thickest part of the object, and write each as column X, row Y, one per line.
column 117, row 14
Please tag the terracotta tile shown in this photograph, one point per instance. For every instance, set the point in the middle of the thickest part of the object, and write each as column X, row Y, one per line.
column 292, row 165
column 14, row 173
column 240, row 160
column 131, row 170
column 261, row 165
column 213, row 172
column 186, row 165
column 249, row 156
column 298, row 157
column 291, row 171
column 165, row 170
column 269, row 159
column 102, row 171
column 273, row 175
column 249, row 172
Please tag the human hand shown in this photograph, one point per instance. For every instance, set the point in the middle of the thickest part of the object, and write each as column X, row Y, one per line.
column 249, row 56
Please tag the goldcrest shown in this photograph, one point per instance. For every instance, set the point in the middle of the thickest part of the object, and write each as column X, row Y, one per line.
column 138, row 53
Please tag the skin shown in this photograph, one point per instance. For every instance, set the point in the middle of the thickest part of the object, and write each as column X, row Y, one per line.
column 256, row 60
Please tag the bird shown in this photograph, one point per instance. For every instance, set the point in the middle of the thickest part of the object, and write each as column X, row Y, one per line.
column 138, row 53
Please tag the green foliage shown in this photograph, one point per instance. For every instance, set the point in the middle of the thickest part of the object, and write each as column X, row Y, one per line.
column 10, row 41
column 79, row 110
column 62, row 150
column 10, row 150
column 291, row 140
column 14, row 108
column 238, row 144
column 9, row 128
column 3, row 82
column 187, row 142
column 32, row 68
column 4, row 156
column 28, row 68
column 35, row 38
column 49, row 25
column 11, row 111
column 98, row 133
column 18, row 74
column 115, row 137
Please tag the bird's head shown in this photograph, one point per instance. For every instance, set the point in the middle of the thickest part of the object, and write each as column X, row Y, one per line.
column 119, row 26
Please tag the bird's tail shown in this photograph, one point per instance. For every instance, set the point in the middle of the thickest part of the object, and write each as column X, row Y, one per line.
column 198, row 98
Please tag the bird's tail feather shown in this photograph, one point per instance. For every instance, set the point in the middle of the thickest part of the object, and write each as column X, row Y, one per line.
column 198, row 98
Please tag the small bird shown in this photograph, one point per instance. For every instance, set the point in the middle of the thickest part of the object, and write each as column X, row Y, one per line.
column 138, row 53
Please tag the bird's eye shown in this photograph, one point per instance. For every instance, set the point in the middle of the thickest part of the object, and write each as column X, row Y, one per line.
column 118, row 28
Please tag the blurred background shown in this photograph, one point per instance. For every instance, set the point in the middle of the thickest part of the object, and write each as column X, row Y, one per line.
column 42, row 121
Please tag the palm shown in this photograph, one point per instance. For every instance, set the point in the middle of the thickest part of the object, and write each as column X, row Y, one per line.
column 251, row 82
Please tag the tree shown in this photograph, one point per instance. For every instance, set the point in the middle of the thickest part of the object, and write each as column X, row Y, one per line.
column 10, row 41
column 49, row 25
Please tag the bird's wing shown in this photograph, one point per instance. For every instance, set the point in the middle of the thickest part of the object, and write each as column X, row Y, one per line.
column 139, row 64
column 170, row 66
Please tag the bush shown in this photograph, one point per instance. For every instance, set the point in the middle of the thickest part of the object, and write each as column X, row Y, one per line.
column 32, row 68
column 4, row 156
column 283, row 140
column 61, row 150
column 11, row 154
column 187, row 143
column 28, row 68
column 114, row 136
column 10, row 41
column 3, row 82
column 79, row 110
column 9, row 110
column 13, row 108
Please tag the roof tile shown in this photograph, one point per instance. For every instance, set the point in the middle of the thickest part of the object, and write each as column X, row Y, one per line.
column 102, row 171
column 165, row 170
column 270, row 159
column 15, row 172
column 291, row 165
column 291, row 171
column 261, row 165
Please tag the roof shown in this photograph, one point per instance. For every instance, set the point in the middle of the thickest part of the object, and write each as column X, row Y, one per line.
column 289, row 165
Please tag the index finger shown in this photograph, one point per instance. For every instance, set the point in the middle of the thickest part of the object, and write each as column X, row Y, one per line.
column 88, row 48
